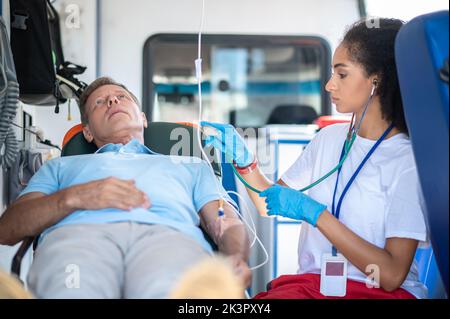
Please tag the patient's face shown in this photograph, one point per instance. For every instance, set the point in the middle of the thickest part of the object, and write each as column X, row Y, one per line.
column 113, row 115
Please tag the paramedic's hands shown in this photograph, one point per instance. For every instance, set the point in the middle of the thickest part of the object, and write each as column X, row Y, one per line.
column 229, row 142
column 288, row 202
column 110, row 192
column 241, row 269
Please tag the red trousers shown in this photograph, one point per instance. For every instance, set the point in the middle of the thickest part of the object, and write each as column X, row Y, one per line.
column 307, row 286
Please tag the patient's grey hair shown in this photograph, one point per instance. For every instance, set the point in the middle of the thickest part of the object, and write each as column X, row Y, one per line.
column 94, row 86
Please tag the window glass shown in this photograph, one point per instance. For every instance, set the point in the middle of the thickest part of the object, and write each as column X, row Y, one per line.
column 246, row 82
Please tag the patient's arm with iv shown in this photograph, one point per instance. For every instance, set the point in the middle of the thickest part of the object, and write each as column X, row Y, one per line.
column 34, row 212
column 230, row 235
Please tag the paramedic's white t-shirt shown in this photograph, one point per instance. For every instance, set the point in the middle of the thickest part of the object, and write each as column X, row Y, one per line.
column 384, row 200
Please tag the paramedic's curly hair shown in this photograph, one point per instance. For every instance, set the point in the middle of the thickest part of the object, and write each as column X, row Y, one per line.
column 372, row 46
column 94, row 86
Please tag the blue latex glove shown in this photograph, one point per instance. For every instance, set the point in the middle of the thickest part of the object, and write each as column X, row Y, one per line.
column 229, row 142
column 288, row 202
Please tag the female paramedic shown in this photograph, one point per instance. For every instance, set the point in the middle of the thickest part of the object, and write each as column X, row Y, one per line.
column 363, row 222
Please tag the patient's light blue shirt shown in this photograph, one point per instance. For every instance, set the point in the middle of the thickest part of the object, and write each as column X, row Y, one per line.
column 178, row 186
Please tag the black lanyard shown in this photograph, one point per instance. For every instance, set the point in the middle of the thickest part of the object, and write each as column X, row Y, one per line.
column 337, row 211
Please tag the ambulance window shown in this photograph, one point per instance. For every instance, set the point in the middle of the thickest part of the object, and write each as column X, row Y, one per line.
column 248, row 81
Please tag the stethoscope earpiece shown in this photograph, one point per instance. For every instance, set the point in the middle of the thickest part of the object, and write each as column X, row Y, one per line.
column 374, row 87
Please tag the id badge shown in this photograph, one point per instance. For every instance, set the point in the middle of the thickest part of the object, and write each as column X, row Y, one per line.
column 333, row 275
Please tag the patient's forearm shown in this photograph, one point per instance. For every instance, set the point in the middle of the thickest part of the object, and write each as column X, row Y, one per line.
column 29, row 217
column 235, row 241
column 228, row 231
column 233, row 238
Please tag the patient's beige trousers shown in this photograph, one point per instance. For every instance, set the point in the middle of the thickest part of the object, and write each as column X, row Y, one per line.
column 117, row 260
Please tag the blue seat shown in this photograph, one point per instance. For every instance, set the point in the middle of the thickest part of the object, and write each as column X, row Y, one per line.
column 429, row 273
column 422, row 63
